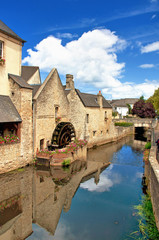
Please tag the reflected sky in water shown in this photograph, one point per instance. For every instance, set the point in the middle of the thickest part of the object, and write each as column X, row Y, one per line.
column 105, row 210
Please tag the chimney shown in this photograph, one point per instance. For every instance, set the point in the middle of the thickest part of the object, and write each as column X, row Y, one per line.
column 100, row 99
column 69, row 82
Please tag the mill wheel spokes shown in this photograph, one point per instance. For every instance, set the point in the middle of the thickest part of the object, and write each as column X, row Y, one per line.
column 65, row 139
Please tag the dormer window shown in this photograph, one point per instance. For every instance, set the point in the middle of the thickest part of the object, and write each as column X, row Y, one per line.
column 1, row 49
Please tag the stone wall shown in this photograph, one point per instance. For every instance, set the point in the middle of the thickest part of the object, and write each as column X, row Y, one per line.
column 22, row 99
column 94, row 127
column 152, row 175
column 50, row 96
column 113, row 134
column 10, row 157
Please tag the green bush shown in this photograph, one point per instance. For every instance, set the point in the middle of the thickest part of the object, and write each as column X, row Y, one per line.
column 66, row 162
column 147, row 224
column 148, row 145
column 123, row 124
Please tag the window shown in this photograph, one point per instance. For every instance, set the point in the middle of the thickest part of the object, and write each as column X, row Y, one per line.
column 41, row 144
column 105, row 116
column 94, row 133
column 56, row 111
column 1, row 49
column 87, row 118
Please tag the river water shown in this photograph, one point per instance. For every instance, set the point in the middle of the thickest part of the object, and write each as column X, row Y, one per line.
column 90, row 200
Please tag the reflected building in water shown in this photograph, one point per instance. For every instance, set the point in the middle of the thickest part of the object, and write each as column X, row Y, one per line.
column 40, row 194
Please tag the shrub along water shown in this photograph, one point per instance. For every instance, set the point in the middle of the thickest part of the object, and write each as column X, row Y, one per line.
column 148, row 145
column 146, row 219
column 123, row 124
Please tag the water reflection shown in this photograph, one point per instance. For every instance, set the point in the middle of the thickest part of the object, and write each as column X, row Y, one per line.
column 107, row 180
column 41, row 195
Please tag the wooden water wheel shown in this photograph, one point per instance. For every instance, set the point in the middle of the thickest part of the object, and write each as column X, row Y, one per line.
column 63, row 134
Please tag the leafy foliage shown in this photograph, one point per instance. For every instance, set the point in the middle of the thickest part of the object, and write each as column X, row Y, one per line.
column 66, row 162
column 148, row 145
column 144, row 110
column 114, row 114
column 154, row 99
column 123, row 124
column 129, row 108
column 147, row 222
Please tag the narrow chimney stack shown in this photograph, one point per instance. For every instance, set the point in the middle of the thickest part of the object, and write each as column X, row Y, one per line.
column 100, row 99
column 69, row 82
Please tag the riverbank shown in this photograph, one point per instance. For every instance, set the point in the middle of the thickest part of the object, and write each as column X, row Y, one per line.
column 152, row 175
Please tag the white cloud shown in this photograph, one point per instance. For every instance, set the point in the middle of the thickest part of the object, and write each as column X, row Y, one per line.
column 147, row 66
column 150, row 47
column 133, row 90
column 107, row 180
column 66, row 35
column 91, row 59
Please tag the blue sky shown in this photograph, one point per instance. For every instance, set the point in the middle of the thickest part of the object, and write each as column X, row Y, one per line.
column 111, row 46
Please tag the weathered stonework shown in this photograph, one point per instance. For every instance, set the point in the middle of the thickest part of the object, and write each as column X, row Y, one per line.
column 49, row 96
column 152, row 175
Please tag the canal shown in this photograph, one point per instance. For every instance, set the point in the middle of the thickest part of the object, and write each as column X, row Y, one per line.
column 90, row 200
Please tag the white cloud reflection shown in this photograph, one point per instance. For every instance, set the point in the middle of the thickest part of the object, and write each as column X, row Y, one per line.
column 107, row 180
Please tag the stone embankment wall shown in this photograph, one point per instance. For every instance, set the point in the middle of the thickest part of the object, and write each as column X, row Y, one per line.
column 115, row 133
column 152, row 175
column 10, row 157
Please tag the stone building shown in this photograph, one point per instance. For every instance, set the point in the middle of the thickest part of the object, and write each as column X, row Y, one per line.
column 15, row 104
column 43, row 114
column 80, row 115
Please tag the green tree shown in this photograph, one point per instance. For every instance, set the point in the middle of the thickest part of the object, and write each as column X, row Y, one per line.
column 154, row 99
column 142, row 98
column 129, row 108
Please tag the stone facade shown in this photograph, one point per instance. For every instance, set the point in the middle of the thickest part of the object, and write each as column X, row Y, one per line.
column 20, row 94
column 152, row 175
column 91, row 123
column 48, row 98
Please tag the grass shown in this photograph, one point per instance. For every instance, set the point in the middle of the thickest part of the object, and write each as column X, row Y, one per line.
column 146, row 219
column 123, row 124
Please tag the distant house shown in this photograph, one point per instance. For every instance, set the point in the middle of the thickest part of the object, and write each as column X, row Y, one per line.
column 121, row 105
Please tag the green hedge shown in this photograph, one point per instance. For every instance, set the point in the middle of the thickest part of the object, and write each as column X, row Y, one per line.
column 148, row 145
column 123, row 124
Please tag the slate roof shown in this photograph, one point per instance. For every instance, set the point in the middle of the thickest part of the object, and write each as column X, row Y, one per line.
column 90, row 100
column 35, row 88
column 28, row 71
column 123, row 102
column 8, row 112
column 20, row 81
column 5, row 29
